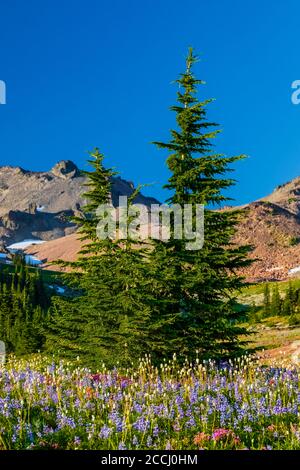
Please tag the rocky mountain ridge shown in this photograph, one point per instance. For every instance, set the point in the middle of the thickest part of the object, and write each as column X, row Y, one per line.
column 39, row 204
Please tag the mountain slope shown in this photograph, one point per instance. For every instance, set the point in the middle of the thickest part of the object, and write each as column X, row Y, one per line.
column 271, row 225
column 65, row 248
column 287, row 196
column 39, row 204
column 274, row 233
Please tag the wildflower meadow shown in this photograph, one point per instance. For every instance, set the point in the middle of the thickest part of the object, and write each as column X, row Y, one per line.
column 240, row 405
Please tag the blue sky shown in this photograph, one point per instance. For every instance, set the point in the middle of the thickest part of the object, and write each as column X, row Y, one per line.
column 86, row 73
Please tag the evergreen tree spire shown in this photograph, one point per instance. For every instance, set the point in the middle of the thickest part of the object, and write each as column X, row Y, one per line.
column 206, row 280
column 195, row 173
column 98, row 191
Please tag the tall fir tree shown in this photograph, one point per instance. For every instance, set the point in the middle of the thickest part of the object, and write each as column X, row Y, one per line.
column 203, row 283
column 71, row 317
column 110, row 316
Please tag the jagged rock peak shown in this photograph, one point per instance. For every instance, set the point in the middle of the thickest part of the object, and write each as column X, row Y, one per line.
column 65, row 169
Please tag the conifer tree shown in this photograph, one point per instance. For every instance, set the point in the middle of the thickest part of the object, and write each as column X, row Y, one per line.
column 275, row 305
column 287, row 307
column 203, row 282
column 266, row 301
column 110, row 318
column 292, row 294
column 70, row 317
column 289, row 304
column 98, row 191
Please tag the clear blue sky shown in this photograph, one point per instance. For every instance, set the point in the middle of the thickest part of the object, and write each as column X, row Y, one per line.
column 86, row 73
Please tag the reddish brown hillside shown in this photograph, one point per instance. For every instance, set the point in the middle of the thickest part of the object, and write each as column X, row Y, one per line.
column 65, row 248
column 274, row 233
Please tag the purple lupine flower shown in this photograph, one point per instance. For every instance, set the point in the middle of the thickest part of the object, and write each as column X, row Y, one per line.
column 141, row 424
column 105, row 432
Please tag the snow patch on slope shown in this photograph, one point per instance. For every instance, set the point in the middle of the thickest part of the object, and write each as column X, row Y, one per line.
column 25, row 244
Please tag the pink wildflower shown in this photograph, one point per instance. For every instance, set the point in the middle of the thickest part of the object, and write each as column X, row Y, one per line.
column 221, row 433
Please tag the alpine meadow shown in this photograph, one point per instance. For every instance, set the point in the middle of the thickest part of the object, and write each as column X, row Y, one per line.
column 134, row 318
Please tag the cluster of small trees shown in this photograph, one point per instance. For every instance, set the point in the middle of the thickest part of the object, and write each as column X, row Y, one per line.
column 24, row 302
column 274, row 304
